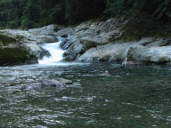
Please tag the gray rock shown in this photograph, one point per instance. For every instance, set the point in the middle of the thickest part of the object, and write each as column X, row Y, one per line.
column 29, row 40
column 109, row 52
column 65, row 32
column 150, row 54
column 35, row 49
column 88, row 35
column 47, row 30
column 64, row 81
column 52, row 83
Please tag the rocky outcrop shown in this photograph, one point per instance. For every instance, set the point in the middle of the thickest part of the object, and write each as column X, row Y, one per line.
column 106, row 53
column 88, row 35
column 14, row 56
column 12, row 52
column 101, row 41
column 23, row 46
column 92, row 41
column 147, row 50
column 38, row 35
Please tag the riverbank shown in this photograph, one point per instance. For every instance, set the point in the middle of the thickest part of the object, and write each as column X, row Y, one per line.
column 104, row 41
column 91, row 41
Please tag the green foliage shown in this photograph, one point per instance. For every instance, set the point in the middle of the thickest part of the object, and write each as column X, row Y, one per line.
column 156, row 8
column 147, row 17
column 36, row 13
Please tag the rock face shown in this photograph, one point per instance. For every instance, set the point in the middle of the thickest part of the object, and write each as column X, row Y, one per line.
column 106, row 53
column 97, row 42
column 88, row 35
column 12, row 52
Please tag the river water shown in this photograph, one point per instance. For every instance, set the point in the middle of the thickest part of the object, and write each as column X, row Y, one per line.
column 126, row 97
column 131, row 97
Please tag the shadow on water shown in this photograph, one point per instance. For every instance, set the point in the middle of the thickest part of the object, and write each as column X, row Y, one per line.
column 122, row 97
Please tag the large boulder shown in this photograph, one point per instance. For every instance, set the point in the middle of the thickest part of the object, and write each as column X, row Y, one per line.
column 88, row 35
column 12, row 52
column 157, row 54
column 26, row 42
column 106, row 53
column 13, row 56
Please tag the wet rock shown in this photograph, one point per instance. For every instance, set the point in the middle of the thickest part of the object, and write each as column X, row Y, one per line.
column 35, row 49
column 74, row 49
column 30, row 87
column 64, row 81
column 106, row 74
column 59, row 83
column 88, row 35
column 52, row 83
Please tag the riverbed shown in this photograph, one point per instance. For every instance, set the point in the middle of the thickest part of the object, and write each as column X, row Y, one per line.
column 126, row 97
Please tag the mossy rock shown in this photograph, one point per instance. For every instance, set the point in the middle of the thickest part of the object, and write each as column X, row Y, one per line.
column 14, row 56
column 6, row 40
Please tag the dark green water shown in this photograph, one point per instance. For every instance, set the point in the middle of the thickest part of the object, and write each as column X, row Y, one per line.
column 132, row 97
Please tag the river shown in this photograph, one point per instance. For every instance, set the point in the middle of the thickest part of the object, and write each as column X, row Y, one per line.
column 128, row 97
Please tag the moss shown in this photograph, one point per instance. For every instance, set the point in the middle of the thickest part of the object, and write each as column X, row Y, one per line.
column 5, row 40
column 10, row 56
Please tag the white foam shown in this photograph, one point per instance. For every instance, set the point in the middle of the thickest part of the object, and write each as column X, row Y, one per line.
column 56, row 53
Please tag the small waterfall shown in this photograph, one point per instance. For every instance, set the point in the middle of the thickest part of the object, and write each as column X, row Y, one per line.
column 56, row 53
column 125, row 61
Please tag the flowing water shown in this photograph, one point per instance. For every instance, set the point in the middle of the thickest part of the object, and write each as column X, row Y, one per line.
column 129, row 97
column 56, row 54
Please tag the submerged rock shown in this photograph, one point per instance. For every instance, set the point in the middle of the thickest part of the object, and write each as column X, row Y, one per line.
column 64, row 81
column 105, row 74
column 52, row 83
column 59, row 82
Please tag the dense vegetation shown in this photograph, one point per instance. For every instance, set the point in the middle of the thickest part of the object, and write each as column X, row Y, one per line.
column 33, row 13
column 151, row 15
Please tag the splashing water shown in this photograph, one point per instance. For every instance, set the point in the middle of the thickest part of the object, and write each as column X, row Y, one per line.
column 56, row 53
